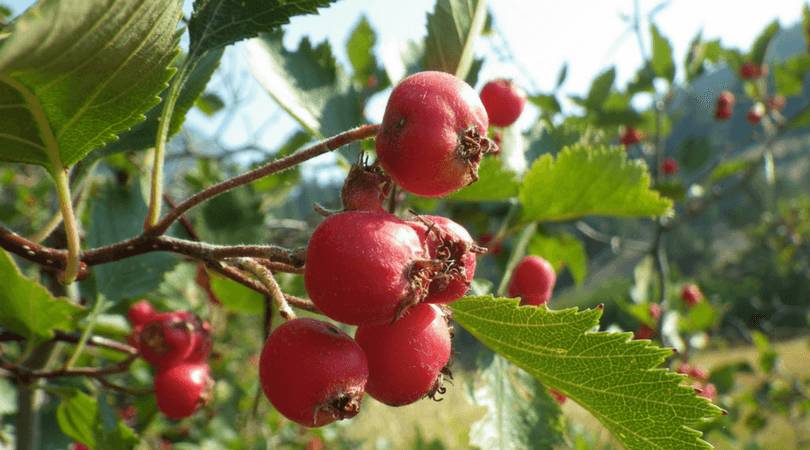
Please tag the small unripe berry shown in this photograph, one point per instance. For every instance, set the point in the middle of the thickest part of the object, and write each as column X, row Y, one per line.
column 504, row 102
column 406, row 359
column 140, row 313
column 183, row 388
column 173, row 337
column 366, row 267
column 669, row 166
column 452, row 247
column 691, row 295
column 754, row 115
column 433, row 134
column 630, row 136
column 312, row 372
column 533, row 281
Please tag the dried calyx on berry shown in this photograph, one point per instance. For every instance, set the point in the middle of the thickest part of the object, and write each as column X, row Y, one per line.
column 365, row 188
column 170, row 338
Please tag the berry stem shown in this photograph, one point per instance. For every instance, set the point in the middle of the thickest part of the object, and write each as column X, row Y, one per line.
column 269, row 281
column 98, row 307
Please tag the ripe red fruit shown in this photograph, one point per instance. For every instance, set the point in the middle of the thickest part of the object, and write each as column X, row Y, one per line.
column 644, row 332
column 725, row 104
column 504, row 102
column 750, row 71
column 558, row 396
column 451, row 246
column 140, row 313
column 669, row 166
column 533, row 281
column 365, row 188
column 708, row 390
column 754, row 115
column 365, row 267
column 691, row 295
column 433, row 134
column 183, row 388
column 80, row 446
column 170, row 338
column 630, row 136
column 312, row 372
column 406, row 359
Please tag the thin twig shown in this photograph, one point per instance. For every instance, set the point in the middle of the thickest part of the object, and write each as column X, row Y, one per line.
column 269, row 281
column 236, row 275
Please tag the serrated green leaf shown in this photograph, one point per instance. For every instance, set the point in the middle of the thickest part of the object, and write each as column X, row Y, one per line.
column 307, row 83
column 117, row 213
column 562, row 250
column 495, row 182
column 236, row 297
column 520, row 413
column 76, row 416
column 757, row 53
column 28, row 309
column 586, row 181
column 620, row 381
column 75, row 73
column 111, row 432
column 662, row 62
column 360, row 49
column 600, row 89
column 217, row 23
column 453, row 27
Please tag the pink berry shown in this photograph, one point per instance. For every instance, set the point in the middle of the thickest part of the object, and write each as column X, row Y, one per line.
column 644, row 332
column 140, row 313
column 751, row 71
column 433, row 134
column 725, row 104
column 366, row 267
column 655, row 311
column 173, row 337
column 183, row 388
column 630, row 136
column 533, row 281
column 754, row 115
column 406, row 358
column 312, row 372
column 504, row 102
column 669, row 166
column 691, row 295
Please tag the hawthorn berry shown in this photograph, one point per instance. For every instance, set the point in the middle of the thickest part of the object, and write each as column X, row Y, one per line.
column 754, row 115
column 558, row 396
column 433, row 134
column 644, row 332
column 182, row 388
column 707, row 390
column 630, row 136
column 669, row 166
column 312, row 372
column 140, row 313
column 451, row 246
column 365, row 188
column 170, row 338
column 504, row 102
column 691, row 295
column 751, row 71
column 725, row 105
column 655, row 311
column 407, row 359
column 366, row 267
column 776, row 103
column 533, row 281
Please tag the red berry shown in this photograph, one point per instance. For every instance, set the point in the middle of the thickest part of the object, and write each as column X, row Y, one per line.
column 533, row 281
column 406, row 359
column 452, row 246
column 630, row 136
column 754, row 115
column 725, row 104
column 365, row 267
column 433, row 134
column 669, row 166
column 644, row 332
column 691, row 295
column 698, row 373
column 751, row 71
column 776, row 103
column 708, row 390
column 558, row 396
column 80, row 446
column 140, row 313
column 504, row 101
column 312, row 372
column 183, row 388
column 655, row 311
column 486, row 239
column 173, row 337
column 365, row 188
column 722, row 113
column 684, row 368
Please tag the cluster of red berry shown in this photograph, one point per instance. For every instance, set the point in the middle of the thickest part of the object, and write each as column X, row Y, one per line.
column 389, row 276
column 177, row 344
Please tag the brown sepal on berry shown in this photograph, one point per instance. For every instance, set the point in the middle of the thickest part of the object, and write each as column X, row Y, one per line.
column 472, row 147
column 343, row 405
column 365, row 188
column 439, row 388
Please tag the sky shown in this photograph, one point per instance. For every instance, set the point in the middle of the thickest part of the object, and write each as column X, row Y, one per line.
column 588, row 35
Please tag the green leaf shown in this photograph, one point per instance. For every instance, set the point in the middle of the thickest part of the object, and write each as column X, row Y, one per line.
column 662, row 62
column 586, row 181
column 789, row 75
column 563, row 73
column 600, row 89
column 307, row 83
column 452, row 29
column 520, row 413
column 806, row 24
column 620, row 381
column 117, row 213
column 562, row 250
column 700, row 317
column 729, row 168
column 757, row 53
column 75, row 73
column 495, row 182
column 209, row 103
column 236, row 297
column 111, row 432
column 77, row 415
column 360, row 49
column 27, row 308
column 547, row 103
column 217, row 23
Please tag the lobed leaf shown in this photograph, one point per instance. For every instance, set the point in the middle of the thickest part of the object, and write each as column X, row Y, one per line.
column 618, row 380
column 453, row 28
